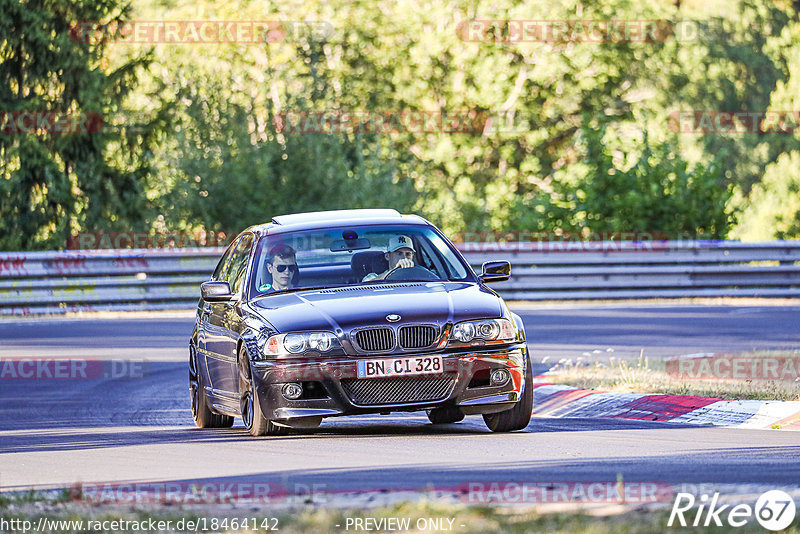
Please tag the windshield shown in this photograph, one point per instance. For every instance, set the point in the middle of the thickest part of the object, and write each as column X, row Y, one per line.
column 352, row 256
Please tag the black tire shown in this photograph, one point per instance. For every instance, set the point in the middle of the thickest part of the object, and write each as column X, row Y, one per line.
column 201, row 411
column 519, row 416
column 252, row 416
column 445, row 415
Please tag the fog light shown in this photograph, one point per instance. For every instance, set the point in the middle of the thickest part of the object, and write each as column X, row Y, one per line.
column 292, row 391
column 499, row 377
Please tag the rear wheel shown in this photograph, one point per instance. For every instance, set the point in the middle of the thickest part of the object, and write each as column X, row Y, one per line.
column 444, row 415
column 201, row 411
column 517, row 417
column 252, row 416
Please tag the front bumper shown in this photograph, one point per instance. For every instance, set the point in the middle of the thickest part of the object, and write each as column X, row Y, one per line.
column 331, row 387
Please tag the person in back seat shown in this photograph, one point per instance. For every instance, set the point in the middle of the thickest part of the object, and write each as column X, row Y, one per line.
column 399, row 254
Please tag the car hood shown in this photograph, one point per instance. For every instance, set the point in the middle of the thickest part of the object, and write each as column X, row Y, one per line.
column 349, row 307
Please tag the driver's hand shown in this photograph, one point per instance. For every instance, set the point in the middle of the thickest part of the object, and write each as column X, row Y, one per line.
column 405, row 263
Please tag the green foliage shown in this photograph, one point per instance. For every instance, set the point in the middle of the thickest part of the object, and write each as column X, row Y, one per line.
column 774, row 208
column 637, row 184
column 656, row 190
column 233, row 181
column 54, row 183
column 232, row 167
column 734, row 64
column 583, row 144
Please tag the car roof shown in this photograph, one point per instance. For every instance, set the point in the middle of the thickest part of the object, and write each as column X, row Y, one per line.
column 324, row 219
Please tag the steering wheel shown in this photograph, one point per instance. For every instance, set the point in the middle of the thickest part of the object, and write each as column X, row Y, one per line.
column 416, row 272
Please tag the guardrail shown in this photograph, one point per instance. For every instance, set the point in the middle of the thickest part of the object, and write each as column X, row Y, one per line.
column 151, row 279
column 98, row 280
column 644, row 269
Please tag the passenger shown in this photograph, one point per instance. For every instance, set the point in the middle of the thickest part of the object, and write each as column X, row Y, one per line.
column 399, row 254
column 282, row 266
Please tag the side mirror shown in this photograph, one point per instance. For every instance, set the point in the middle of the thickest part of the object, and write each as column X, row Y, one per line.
column 495, row 271
column 216, row 291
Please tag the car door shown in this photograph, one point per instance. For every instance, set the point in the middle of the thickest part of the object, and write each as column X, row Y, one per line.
column 204, row 330
column 223, row 322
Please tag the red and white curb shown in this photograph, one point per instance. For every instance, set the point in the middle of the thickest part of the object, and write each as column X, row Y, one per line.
column 565, row 401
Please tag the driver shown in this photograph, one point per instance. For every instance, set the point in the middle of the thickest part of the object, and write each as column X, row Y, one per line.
column 399, row 254
column 282, row 265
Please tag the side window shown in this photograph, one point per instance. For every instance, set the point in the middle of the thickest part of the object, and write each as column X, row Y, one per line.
column 238, row 267
column 217, row 276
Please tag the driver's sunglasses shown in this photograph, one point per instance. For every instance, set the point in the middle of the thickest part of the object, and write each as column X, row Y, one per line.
column 280, row 268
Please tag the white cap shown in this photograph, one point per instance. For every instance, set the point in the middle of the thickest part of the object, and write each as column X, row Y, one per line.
column 399, row 241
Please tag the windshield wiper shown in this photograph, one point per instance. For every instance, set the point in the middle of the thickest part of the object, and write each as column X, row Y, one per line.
column 396, row 281
column 296, row 289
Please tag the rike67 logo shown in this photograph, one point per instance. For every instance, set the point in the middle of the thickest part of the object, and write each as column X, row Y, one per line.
column 774, row 510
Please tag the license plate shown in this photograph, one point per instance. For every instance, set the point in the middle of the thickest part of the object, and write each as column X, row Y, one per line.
column 419, row 365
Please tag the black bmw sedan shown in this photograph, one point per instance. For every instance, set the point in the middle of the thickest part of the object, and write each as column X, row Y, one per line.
column 338, row 313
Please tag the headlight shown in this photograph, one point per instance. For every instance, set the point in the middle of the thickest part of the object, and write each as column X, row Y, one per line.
column 464, row 332
column 322, row 341
column 484, row 330
column 300, row 343
column 294, row 343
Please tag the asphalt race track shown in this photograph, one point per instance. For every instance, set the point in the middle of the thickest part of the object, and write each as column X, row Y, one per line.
column 132, row 421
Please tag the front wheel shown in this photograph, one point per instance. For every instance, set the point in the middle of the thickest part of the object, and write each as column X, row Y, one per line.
column 201, row 411
column 519, row 416
column 252, row 416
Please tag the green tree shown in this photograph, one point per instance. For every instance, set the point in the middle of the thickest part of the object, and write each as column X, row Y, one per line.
column 52, row 184
column 773, row 207
column 650, row 188
column 584, row 140
column 771, row 210
column 228, row 164
column 737, row 60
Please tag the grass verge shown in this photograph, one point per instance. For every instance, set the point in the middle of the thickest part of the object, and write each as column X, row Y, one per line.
column 644, row 375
